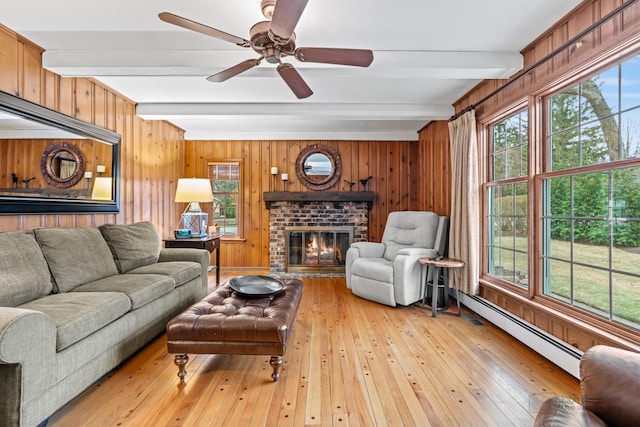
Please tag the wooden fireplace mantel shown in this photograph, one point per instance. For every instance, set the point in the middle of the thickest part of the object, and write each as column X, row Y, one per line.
column 317, row 196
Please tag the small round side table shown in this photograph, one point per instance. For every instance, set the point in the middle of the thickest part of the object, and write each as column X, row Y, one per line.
column 439, row 264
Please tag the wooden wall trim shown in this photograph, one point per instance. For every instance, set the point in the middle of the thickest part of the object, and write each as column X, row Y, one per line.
column 542, row 69
column 21, row 39
column 574, row 330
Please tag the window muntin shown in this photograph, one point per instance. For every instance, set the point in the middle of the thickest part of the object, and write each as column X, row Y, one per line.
column 596, row 121
column 507, row 200
column 629, row 87
column 510, row 147
column 591, row 258
column 591, row 213
column 508, row 230
column 225, row 179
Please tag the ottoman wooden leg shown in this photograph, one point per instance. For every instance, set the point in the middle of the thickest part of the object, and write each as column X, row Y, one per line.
column 180, row 361
column 276, row 362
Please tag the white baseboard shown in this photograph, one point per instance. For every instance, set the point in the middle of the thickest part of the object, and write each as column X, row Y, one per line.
column 559, row 352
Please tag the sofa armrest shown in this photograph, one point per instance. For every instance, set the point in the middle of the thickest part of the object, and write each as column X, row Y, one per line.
column 369, row 249
column 610, row 380
column 564, row 412
column 408, row 280
column 200, row 256
column 419, row 252
column 27, row 358
column 361, row 250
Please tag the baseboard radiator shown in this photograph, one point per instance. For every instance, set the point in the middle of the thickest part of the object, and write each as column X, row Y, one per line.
column 559, row 352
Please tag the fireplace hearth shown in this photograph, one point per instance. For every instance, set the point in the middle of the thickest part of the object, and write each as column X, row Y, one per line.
column 316, row 249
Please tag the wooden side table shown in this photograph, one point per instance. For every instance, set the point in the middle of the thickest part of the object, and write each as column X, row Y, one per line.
column 439, row 264
column 209, row 243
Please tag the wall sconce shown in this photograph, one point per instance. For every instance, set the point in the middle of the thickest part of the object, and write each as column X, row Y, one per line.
column 88, row 175
column 102, row 188
column 274, row 172
column 194, row 191
column 100, row 169
column 284, row 177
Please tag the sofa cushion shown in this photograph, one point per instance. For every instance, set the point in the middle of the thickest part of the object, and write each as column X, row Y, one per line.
column 181, row 271
column 140, row 288
column 77, row 315
column 24, row 274
column 75, row 256
column 133, row 245
column 378, row 269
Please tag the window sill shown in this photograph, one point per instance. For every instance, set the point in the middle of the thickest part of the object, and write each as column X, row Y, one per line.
column 232, row 239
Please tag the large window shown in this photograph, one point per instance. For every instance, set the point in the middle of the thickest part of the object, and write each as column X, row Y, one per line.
column 507, row 245
column 225, row 177
column 591, row 195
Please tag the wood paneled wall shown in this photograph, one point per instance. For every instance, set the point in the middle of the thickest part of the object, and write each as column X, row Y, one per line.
column 396, row 167
column 434, row 184
column 22, row 157
column 616, row 34
column 152, row 153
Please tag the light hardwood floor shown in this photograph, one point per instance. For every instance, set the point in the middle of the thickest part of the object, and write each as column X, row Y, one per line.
column 350, row 362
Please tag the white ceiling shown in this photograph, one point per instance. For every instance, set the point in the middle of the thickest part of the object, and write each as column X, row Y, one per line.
column 427, row 54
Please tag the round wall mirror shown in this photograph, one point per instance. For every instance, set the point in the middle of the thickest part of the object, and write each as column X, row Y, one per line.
column 318, row 167
column 62, row 165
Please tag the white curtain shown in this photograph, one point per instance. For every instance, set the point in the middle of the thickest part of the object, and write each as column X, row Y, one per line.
column 464, row 235
column 67, row 168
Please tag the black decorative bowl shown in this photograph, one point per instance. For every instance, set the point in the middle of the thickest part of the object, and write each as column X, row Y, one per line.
column 256, row 286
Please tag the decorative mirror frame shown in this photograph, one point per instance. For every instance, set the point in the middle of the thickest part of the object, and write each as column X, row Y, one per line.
column 44, row 205
column 50, row 154
column 326, row 182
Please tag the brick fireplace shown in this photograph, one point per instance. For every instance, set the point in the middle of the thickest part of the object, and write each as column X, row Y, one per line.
column 334, row 214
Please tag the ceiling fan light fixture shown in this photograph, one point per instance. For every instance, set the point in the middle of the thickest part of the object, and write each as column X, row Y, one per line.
column 267, row 7
column 272, row 56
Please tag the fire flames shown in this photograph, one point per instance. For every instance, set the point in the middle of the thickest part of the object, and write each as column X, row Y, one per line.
column 321, row 254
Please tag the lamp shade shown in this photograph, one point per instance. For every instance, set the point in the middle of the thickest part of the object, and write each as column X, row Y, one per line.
column 102, row 188
column 194, row 190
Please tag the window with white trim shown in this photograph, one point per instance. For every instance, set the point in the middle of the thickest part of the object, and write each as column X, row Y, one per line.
column 225, row 180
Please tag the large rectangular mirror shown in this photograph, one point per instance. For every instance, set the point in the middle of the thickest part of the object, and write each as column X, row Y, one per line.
column 54, row 163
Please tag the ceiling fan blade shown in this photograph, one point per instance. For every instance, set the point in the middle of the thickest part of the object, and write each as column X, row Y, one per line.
column 294, row 80
column 325, row 55
column 203, row 29
column 233, row 71
column 285, row 17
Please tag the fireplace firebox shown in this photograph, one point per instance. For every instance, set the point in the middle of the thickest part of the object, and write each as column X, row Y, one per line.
column 316, row 249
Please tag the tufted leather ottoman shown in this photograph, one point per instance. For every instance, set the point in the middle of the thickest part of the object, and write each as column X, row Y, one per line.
column 226, row 323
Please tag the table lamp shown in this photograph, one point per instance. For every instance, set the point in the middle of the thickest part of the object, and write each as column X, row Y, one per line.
column 102, row 188
column 194, row 191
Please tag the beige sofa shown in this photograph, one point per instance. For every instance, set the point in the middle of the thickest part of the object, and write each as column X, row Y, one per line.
column 74, row 303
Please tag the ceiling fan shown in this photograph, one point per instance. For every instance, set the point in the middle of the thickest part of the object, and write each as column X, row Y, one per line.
column 274, row 40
